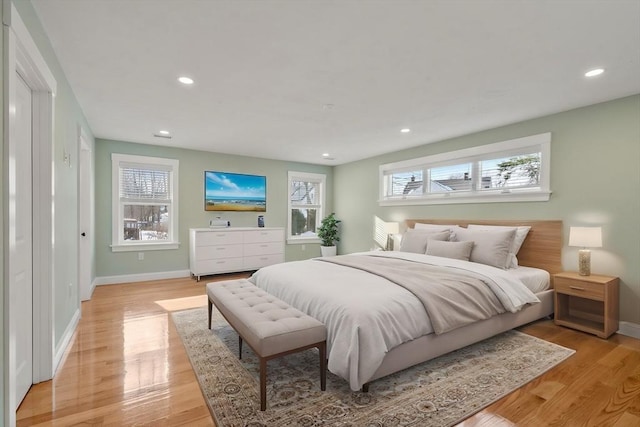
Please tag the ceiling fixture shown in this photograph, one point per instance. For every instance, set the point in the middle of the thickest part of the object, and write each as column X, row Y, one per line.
column 185, row 80
column 163, row 134
column 405, row 130
column 327, row 156
column 594, row 72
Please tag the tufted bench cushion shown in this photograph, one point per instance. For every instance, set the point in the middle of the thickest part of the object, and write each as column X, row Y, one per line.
column 271, row 327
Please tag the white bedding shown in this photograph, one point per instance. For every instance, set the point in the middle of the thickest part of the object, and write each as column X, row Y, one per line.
column 536, row 279
column 366, row 315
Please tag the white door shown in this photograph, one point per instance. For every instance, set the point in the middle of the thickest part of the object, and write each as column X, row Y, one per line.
column 85, row 254
column 22, row 257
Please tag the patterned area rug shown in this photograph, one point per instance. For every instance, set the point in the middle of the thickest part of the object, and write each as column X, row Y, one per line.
column 440, row 392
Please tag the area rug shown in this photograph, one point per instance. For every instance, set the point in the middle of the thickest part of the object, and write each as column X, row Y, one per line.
column 440, row 392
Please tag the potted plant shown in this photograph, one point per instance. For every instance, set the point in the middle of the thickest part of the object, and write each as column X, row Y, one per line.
column 328, row 233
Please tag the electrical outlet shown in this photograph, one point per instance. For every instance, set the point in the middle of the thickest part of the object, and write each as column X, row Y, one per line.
column 140, row 256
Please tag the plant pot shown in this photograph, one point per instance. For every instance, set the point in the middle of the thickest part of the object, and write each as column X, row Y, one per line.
column 328, row 250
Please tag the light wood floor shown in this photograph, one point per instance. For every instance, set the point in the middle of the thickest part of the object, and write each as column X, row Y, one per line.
column 127, row 366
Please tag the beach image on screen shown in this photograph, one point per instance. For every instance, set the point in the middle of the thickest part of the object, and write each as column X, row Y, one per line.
column 234, row 192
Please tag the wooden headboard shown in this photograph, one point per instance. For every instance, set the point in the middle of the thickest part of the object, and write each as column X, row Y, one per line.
column 541, row 249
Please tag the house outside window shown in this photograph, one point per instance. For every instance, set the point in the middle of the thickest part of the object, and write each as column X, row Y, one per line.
column 306, row 206
column 510, row 171
column 144, row 203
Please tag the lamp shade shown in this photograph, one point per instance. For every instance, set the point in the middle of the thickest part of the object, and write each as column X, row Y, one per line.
column 586, row 237
column 391, row 227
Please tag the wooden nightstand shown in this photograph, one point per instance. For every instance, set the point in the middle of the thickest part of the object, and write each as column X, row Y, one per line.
column 587, row 303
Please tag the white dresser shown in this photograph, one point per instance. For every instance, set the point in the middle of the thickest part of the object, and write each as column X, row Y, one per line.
column 227, row 250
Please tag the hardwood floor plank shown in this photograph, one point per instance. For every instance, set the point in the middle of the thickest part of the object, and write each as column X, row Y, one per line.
column 126, row 365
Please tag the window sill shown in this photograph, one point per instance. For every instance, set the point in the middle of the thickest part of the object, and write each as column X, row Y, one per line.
column 302, row 240
column 145, row 247
column 450, row 199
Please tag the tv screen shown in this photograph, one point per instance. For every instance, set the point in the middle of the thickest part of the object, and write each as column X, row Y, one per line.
column 224, row 191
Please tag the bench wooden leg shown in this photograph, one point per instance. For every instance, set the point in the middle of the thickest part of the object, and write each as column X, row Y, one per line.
column 210, row 308
column 263, row 383
column 323, row 365
column 239, row 347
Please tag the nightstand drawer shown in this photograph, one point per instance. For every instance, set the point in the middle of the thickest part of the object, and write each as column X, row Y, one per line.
column 579, row 288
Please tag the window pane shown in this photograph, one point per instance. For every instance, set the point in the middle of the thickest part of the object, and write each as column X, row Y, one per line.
column 144, row 184
column 303, row 222
column 305, row 193
column 405, row 183
column 146, row 222
column 511, row 172
column 452, row 178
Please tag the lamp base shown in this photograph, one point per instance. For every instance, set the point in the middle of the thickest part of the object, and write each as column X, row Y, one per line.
column 584, row 262
column 389, row 245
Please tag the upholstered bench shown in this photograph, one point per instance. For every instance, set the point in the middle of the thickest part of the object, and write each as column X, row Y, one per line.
column 270, row 326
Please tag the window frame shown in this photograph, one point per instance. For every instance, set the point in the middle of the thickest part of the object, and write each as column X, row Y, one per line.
column 321, row 179
column 542, row 192
column 118, row 244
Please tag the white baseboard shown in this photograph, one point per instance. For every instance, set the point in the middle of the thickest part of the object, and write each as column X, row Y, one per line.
column 126, row 278
column 629, row 329
column 65, row 340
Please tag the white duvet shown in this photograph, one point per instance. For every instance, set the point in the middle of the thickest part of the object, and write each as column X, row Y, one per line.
column 365, row 314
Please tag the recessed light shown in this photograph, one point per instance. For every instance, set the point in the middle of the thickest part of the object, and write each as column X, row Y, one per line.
column 163, row 132
column 185, row 80
column 594, row 72
column 405, row 130
column 326, row 154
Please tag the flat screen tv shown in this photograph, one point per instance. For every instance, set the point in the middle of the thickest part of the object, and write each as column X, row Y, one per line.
column 224, row 191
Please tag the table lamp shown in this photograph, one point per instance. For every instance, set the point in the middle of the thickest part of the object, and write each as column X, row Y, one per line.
column 391, row 228
column 585, row 237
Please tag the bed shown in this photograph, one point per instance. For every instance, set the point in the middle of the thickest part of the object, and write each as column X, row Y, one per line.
column 390, row 329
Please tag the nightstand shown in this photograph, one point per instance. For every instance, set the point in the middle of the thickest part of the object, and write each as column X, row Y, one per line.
column 587, row 303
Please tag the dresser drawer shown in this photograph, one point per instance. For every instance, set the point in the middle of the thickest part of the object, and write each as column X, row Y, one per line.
column 260, row 236
column 259, row 261
column 579, row 288
column 209, row 238
column 218, row 252
column 213, row 266
column 253, row 249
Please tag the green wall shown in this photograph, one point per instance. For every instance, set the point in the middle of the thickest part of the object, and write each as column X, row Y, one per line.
column 595, row 179
column 191, row 204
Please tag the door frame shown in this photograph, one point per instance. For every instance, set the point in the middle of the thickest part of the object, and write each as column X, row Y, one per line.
column 85, row 217
column 22, row 56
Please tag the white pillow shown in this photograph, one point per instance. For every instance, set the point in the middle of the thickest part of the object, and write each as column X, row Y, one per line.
column 416, row 240
column 491, row 247
column 455, row 250
column 518, row 240
column 433, row 227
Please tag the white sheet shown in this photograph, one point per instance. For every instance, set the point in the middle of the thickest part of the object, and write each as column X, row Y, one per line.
column 366, row 315
column 535, row 279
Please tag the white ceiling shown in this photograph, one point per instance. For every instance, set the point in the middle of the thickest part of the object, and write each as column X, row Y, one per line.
column 265, row 71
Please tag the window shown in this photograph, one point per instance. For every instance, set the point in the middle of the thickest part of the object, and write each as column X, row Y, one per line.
column 306, row 206
column 509, row 171
column 145, row 203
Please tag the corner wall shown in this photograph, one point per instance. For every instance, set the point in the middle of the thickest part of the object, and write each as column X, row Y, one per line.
column 595, row 179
